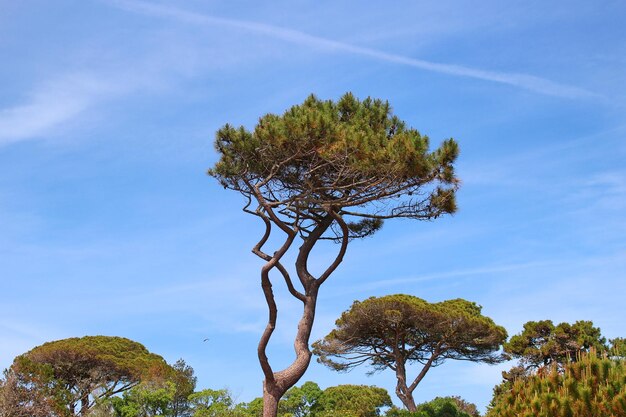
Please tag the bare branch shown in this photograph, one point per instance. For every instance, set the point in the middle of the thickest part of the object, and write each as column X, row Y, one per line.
column 258, row 252
column 305, row 250
column 342, row 249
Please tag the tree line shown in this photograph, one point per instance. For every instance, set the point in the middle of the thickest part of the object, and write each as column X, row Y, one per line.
column 103, row 376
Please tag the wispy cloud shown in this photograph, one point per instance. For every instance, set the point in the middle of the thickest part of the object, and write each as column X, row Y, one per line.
column 479, row 271
column 523, row 169
column 55, row 103
column 524, row 81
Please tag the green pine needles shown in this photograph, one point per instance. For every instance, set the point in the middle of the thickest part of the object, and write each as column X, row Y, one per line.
column 592, row 386
column 353, row 155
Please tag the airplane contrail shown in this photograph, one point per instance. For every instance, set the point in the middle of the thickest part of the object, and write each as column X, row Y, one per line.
column 520, row 80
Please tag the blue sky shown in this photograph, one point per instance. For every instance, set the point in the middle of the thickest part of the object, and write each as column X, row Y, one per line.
column 109, row 225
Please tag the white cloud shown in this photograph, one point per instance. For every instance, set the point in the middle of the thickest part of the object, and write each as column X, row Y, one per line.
column 49, row 107
column 524, row 81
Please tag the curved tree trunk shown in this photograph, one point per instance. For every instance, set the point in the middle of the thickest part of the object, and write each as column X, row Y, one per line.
column 407, row 400
column 276, row 386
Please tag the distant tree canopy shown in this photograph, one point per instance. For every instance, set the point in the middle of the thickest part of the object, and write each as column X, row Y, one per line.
column 396, row 330
column 439, row 407
column 351, row 401
column 309, row 400
column 328, row 170
column 68, row 376
column 541, row 343
column 184, row 381
column 168, row 396
column 212, row 403
column 153, row 398
column 299, row 401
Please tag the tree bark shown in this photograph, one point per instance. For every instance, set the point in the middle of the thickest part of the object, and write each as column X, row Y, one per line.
column 276, row 386
column 84, row 403
column 270, row 400
column 402, row 391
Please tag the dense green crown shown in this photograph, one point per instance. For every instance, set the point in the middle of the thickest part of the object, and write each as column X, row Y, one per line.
column 111, row 358
column 376, row 329
column 591, row 386
column 542, row 343
column 72, row 375
column 347, row 154
column 351, row 401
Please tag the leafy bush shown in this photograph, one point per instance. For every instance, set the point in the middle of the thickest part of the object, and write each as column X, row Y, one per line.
column 439, row 407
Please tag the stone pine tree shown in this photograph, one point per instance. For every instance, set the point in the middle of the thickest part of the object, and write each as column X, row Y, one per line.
column 395, row 331
column 334, row 171
column 68, row 377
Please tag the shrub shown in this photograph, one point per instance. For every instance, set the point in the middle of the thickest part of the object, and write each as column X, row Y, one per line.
column 591, row 386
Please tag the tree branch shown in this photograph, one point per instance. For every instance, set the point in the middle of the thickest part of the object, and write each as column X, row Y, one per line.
column 425, row 369
column 305, row 250
column 342, row 249
column 258, row 252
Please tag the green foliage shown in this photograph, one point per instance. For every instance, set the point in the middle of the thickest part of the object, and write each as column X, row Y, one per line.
column 167, row 396
column 298, row 401
column 71, row 375
column 29, row 389
column 618, row 347
column 252, row 409
column 377, row 328
column 465, row 408
column 159, row 399
column 110, row 358
column 590, row 386
column 212, row 403
column 351, row 401
column 347, row 154
column 439, row 407
column 541, row 343
column 185, row 383
column 391, row 331
column 145, row 400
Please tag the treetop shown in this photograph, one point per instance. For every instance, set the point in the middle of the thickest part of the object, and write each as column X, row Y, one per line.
column 119, row 355
column 352, row 155
column 377, row 328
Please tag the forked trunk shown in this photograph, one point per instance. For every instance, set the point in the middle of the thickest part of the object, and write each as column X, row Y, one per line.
column 277, row 383
column 404, row 391
column 275, row 388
